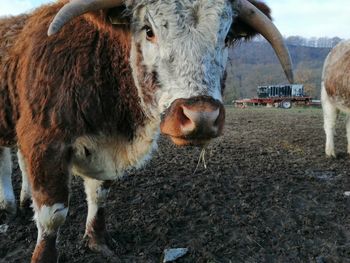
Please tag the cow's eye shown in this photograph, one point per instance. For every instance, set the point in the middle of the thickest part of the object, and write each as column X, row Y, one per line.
column 149, row 33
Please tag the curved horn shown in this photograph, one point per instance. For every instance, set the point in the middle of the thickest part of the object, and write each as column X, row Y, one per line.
column 262, row 24
column 75, row 8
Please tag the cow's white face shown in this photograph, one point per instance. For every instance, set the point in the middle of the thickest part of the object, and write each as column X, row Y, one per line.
column 181, row 47
column 183, row 43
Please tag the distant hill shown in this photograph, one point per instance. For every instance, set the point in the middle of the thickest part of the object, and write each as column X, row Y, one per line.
column 255, row 63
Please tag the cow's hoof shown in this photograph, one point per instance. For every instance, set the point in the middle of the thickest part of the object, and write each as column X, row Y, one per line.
column 101, row 249
column 330, row 153
column 106, row 246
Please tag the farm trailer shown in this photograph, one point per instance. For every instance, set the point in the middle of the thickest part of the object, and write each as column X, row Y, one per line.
column 278, row 96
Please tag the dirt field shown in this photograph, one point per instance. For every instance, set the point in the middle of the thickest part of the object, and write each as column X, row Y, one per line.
column 269, row 194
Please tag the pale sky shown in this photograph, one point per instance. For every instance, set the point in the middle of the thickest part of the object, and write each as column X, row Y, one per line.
column 310, row 18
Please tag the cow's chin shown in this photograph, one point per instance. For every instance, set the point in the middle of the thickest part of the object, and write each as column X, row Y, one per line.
column 178, row 141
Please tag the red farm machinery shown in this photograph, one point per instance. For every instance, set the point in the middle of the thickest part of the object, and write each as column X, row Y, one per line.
column 284, row 96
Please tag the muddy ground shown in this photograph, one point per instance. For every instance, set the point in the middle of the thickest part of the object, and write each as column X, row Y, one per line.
column 269, row 194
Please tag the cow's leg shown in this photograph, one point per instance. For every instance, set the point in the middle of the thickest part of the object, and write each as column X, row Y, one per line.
column 7, row 197
column 47, row 168
column 348, row 131
column 26, row 196
column 95, row 232
column 329, row 116
column 50, row 202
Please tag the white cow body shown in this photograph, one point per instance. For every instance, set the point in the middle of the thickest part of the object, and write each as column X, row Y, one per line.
column 335, row 92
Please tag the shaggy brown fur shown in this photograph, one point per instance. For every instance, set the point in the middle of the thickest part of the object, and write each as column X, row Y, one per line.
column 10, row 28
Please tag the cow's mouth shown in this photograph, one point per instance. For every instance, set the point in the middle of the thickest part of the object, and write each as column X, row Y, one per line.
column 182, row 141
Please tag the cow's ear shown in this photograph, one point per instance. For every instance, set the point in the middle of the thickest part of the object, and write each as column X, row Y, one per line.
column 118, row 16
column 241, row 30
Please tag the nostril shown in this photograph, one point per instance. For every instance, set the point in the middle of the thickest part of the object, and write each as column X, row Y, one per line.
column 193, row 116
column 183, row 117
column 208, row 119
column 217, row 120
column 215, row 117
column 187, row 123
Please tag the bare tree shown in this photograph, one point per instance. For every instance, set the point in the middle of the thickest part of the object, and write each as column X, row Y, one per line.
column 306, row 76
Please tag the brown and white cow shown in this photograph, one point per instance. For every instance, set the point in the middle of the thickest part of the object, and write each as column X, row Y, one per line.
column 92, row 98
column 335, row 92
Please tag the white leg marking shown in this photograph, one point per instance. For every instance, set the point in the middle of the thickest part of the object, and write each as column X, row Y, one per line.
column 7, row 197
column 49, row 219
column 25, row 190
column 95, row 197
column 330, row 116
